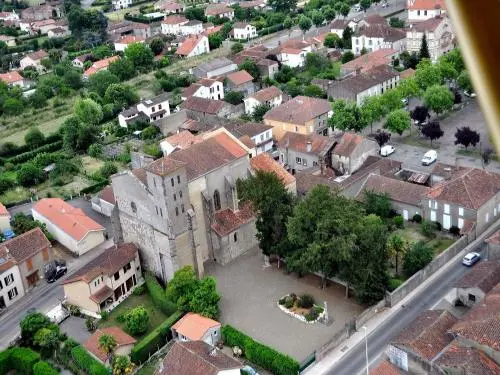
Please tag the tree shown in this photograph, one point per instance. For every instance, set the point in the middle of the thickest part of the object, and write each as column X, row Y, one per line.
column 347, row 56
column 140, row 55
column 345, row 9
column 251, row 67
column 109, row 168
column 329, row 13
column 438, row 98
column 447, row 70
column 305, row 23
column 398, row 121
column 102, row 51
column 274, row 204
column 464, row 82
column 317, row 18
column 87, row 111
column 396, row 22
column 31, row 324
column 346, row 38
column 288, row 22
column 420, row 114
column 347, row 116
column 332, row 41
column 416, row 258
column 454, row 57
column 30, row 175
column 157, row 45
column 38, row 99
column 205, row 299
column 397, row 246
column 391, row 100
column 424, row 49
column 95, row 150
column 428, row 74
column 321, row 230
column 47, row 339
column 22, row 223
column 432, row 130
column 107, row 343
column 234, row 97
column 372, row 110
column 382, row 138
column 13, row 106
column 137, row 320
column 100, row 81
column 34, row 137
column 377, row 204
column 214, row 40
column 259, row 111
column 316, row 63
column 286, row 6
column 314, row 91
column 123, row 69
column 122, row 365
column 237, row 47
column 465, row 136
column 365, row 4
column 120, row 95
column 182, row 287
column 195, row 13
column 409, row 60
column 150, row 132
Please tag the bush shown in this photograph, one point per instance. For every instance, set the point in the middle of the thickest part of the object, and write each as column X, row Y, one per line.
column 289, row 302
column 121, row 317
column 84, row 361
column 394, row 284
column 5, row 361
column 26, row 156
column 416, row 258
column 90, row 324
column 74, row 310
column 108, row 169
column 398, row 221
column 22, row 360
column 158, row 295
column 104, row 315
column 43, row 368
column 137, row 321
column 282, row 300
column 313, row 314
column 139, row 290
column 306, row 301
column 417, row 218
column 261, row 355
column 455, row 230
column 438, row 225
column 154, row 340
column 428, row 228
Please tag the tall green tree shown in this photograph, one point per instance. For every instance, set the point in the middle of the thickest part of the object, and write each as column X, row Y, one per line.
column 34, row 137
column 371, row 110
column 377, row 204
column 397, row 247
column 322, row 231
column 87, row 111
column 205, row 299
column 347, row 116
column 31, row 324
column 416, row 258
column 305, row 23
column 317, row 18
column 428, row 74
column 100, row 81
column 438, row 98
column 107, row 343
column 287, row 6
column 424, row 49
column 259, row 111
column 182, row 287
column 123, row 69
column 251, row 67
column 398, row 121
column 140, row 55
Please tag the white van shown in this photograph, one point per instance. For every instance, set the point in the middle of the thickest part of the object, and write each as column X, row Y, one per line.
column 429, row 157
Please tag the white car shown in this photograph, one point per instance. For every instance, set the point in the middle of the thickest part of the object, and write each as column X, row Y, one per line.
column 356, row 8
column 385, row 4
column 470, row 259
column 429, row 157
column 470, row 94
column 387, row 150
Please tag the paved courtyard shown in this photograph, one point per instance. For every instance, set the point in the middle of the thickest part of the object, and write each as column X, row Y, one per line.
column 75, row 328
column 249, row 297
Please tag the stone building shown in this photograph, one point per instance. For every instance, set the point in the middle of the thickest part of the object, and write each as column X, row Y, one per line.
column 183, row 209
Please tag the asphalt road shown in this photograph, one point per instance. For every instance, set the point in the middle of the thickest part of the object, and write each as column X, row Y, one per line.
column 355, row 362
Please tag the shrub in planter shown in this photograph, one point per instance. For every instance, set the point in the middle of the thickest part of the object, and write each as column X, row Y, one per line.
column 293, row 296
column 398, row 221
column 455, row 230
column 305, row 301
column 312, row 315
column 90, row 324
column 417, row 218
column 282, row 300
column 289, row 302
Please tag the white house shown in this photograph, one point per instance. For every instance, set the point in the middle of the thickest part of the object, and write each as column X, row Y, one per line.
column 11, row 284
column 122, row 43
column 192, row 27
column 272, row 96
column 58, row 32
column 256, row 136
column 172, row 24
column 179, row 141
column 9, row 16
column 169, row 6
column 244, row 30
column 421, row 10
column 148, row 110
column 121, row 4
column 194, row 327
column 193, row 46
column 34, row 59
column 438, row 32
column 375, row 37
column 338, row 26
column 69, row 225
column 293, row 53
column 220, row 11
column 207, row 88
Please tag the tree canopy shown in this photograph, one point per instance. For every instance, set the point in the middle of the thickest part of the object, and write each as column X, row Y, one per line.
column 398, row 121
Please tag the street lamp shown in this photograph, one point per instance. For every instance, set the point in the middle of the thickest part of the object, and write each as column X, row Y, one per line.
column 366, row 350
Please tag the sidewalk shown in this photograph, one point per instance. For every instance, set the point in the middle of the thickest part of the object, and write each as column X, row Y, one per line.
column 343, row 349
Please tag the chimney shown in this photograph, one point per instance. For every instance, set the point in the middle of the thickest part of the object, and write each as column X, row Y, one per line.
column 309, row 146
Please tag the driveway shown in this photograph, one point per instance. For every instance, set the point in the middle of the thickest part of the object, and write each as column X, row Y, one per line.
column 249, row 302
column 75, row 328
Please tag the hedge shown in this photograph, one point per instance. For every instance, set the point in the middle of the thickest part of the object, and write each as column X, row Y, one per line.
column 19, row 359
column 94, row 188
column 158, row 295
column 261, row 355
column 155, row 340
column 26, row 156
column 84, row 361
column 43, row 368
column 25, row 148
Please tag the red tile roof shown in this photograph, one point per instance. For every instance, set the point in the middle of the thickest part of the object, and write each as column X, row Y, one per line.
column 426, row 4
column 11, row 77
column 239, row 78
column 485, row 276
column 128, row 39
column 264, row 162
column 267, row 94
column 189, row 44
column 348, row 144
column 469, row 188
column 298, row 142
column 107, row 194
column 7, row 260
column 428, row 334
column 385, row 368
column 212, row 30
column 407, row 73
column 69, row 219
column 110, row 261
column 175, row 20
column 388, row 33
column 26, row 245
column 215, row 10
column 299, row 110
column 204, row 105
column 194, row 326
column 183, row 139
column 92, row 344
column 38, row 55
column 467, row 361
column 196, row 358
column 227, row 220
column 370, row 60
column 100, row 65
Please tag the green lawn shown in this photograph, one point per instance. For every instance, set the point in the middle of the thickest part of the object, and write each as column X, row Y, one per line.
column 411, row 233
column 15, row 195
column 156, row 317
column 48, row 127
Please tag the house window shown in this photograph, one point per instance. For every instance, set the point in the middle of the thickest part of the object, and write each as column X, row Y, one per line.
column 460, row 223
column 433, row 215
column 180, row 194
column 425, row 12
column 298, row 160
column 133, row 207
column 178, row 179
column 268, row 134
column 159, row 107
column 176, row 211
column 156, row 210
column 29, row 264
column 117, row 275
column 1, row 286
column 235, row 237
column 175, row 197
column 172, row 181
column 216, row 200
column 446, row 208
column 9, row 279
column 127, row 267
column 12, row 293
column 418, row 13
column 304, row 162
column 460, row 211
column 182, row 208
column 315, row 163
column 472, row 297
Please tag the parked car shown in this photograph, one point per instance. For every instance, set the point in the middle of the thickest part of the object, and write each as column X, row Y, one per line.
column 470, row 259
column 55, row 269
column 470, row 94
column 429, row 157
column 385, row 4
column 387, row 150
column 249, row 371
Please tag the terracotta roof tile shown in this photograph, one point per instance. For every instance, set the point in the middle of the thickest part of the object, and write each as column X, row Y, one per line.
column 250, row 129
column 73, row 221
column 375, row 19
column 227, row 220
column 407, row 73
column 215, row 10
column 385, row 368
column 247, row 141
column 264, row 162
column 175, row 20
column 100, row 65
column 102, row 294
column 128, row 39
column 339, row 24
column 494, row 239
column 240, row 77
column 347, row 144
column 428, row 334
column 92, row 344
column 110, row 261
column 165, row 166
column 428, row 25
column 196, row 358
column 38, row 55
column 363, row 81
column 26, row 245
column 11, row 77
column 370, row 60
column 107, row 194
column 426, row 4
column 299, row 110
column 6, row 260
column 468, row 361
column 189, row 44
column 183, row 139
column 209, row 106
column 267, row 94
column 298, row 142
column 485, row 276
column 194, row 326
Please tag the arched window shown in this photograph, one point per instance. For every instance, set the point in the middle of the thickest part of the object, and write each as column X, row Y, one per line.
column 134, row 207
column 216, row 200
